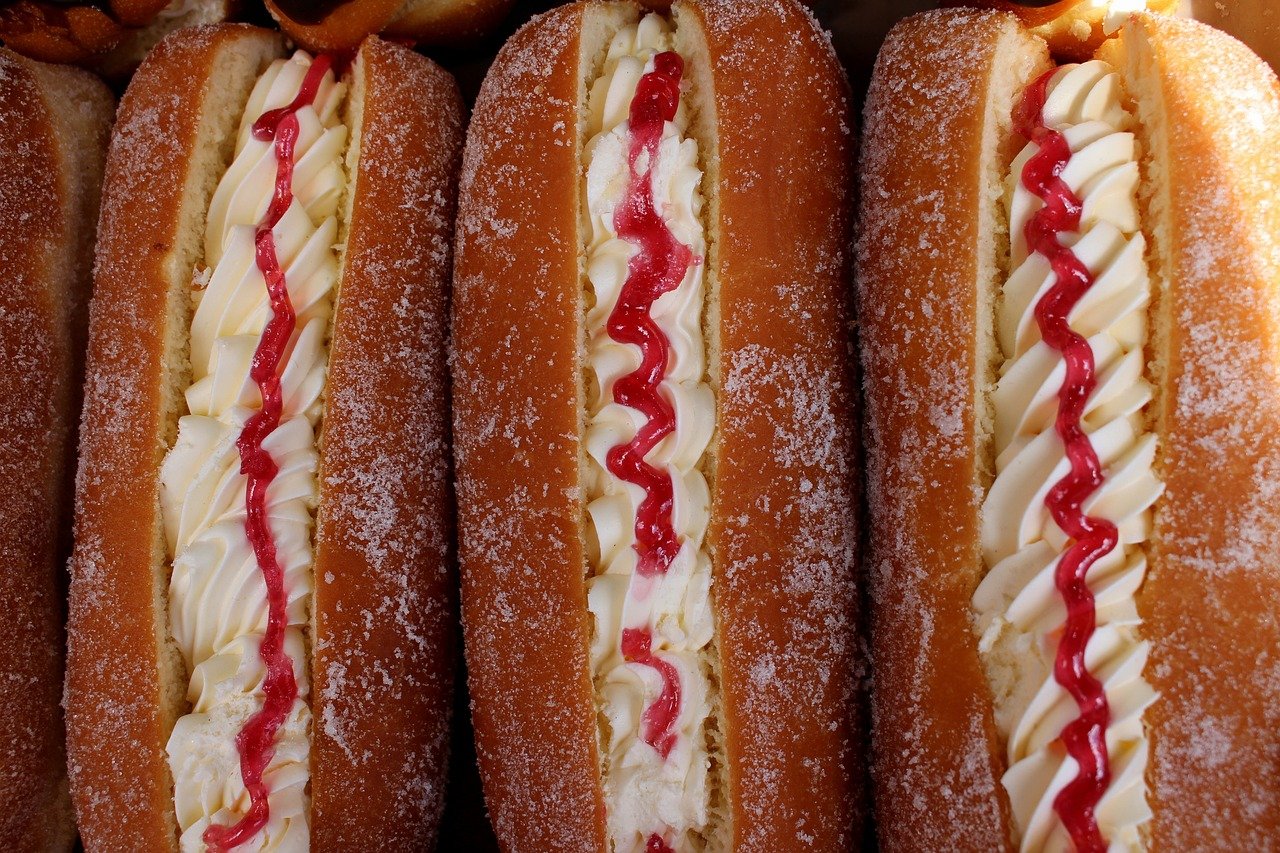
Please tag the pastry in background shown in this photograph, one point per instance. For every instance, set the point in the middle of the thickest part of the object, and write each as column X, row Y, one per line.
column 54, row 123
column 342, row 24
column 111, row 38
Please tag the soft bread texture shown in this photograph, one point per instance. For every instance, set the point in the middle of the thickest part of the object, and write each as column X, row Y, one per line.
column 382, row 605
column 785, row 456
column 1207, row 112
column 53, row 136
column 425, row 21
column 123, row 59
column 933, row 160
column 125, row 679
column 517, row 420
column 772, row 104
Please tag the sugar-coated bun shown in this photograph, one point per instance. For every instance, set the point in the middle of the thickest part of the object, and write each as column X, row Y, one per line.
column 383, row 610
column 54, row 123
column 782, row 521
column 937, row 149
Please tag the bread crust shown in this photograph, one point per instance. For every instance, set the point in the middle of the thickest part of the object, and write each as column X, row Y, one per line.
column 1212, row 595
column 382, row 696
column 50, row 172
column 517, row 438
column 121, row 693
column 936, row 763
column 1213, row 587
column 382, row 556
column 783, row 525
column 785, row 601
column 421, row 21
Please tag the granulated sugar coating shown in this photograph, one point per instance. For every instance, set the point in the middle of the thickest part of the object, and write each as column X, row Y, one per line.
column 124, row 680
column 923, row 260
column 783, row 528
column 384, row 605
column 1211, row 601
column 53, row 123
column 517, row 379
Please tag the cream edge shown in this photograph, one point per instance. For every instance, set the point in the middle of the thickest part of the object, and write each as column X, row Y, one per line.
column 217, row 598
column 644, row 793
column 1017, row 608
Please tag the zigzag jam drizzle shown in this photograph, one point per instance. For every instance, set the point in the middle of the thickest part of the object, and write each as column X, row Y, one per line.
column 1094, row 538
column 656, row 268
column 256, row 740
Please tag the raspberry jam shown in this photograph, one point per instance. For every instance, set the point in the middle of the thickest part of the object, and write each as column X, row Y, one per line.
column 657, row 267
column 1092, row 538
column 655, row 844
column 256, row 741
column 660, row 717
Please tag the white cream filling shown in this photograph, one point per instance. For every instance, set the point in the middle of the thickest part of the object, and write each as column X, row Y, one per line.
column 644, row 793
column 1019, row 611
column 217, row 597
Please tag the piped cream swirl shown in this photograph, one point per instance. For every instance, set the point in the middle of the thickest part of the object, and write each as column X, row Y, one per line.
column 1018, row 608
column 217, row 596
column 646, row 794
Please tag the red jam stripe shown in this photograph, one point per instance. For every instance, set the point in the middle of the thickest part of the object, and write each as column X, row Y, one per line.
column 1085, row 737
column 655, row 844
column 660, row 717
column 256, row 741
column 657, row 267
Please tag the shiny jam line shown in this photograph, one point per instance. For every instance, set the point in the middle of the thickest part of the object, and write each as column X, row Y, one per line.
column 656, row 844
column 256, row 741
column 1084, row 737
column 657, row 267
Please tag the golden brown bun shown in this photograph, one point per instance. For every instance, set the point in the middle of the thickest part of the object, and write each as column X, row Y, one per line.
column 782, row 524
column 516, row 422
column 125, row 686
column 53, row 135
column 1212, row 591
column 382, row 600
column 936, row 765
column 1254, row 22
column 1212, row 596
column 382, row 698
column 113, row 39
column 342, row 26
column 783, row 527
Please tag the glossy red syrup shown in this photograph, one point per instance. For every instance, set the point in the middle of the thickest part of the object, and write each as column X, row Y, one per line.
column 660, row 717
column 655, row 844
column 256, row 741
column 1093, row 538
column 658, row 267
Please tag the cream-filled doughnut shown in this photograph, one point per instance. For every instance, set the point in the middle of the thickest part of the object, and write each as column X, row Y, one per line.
column 1070, row 363
column 653, row 421
column 261, row 556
